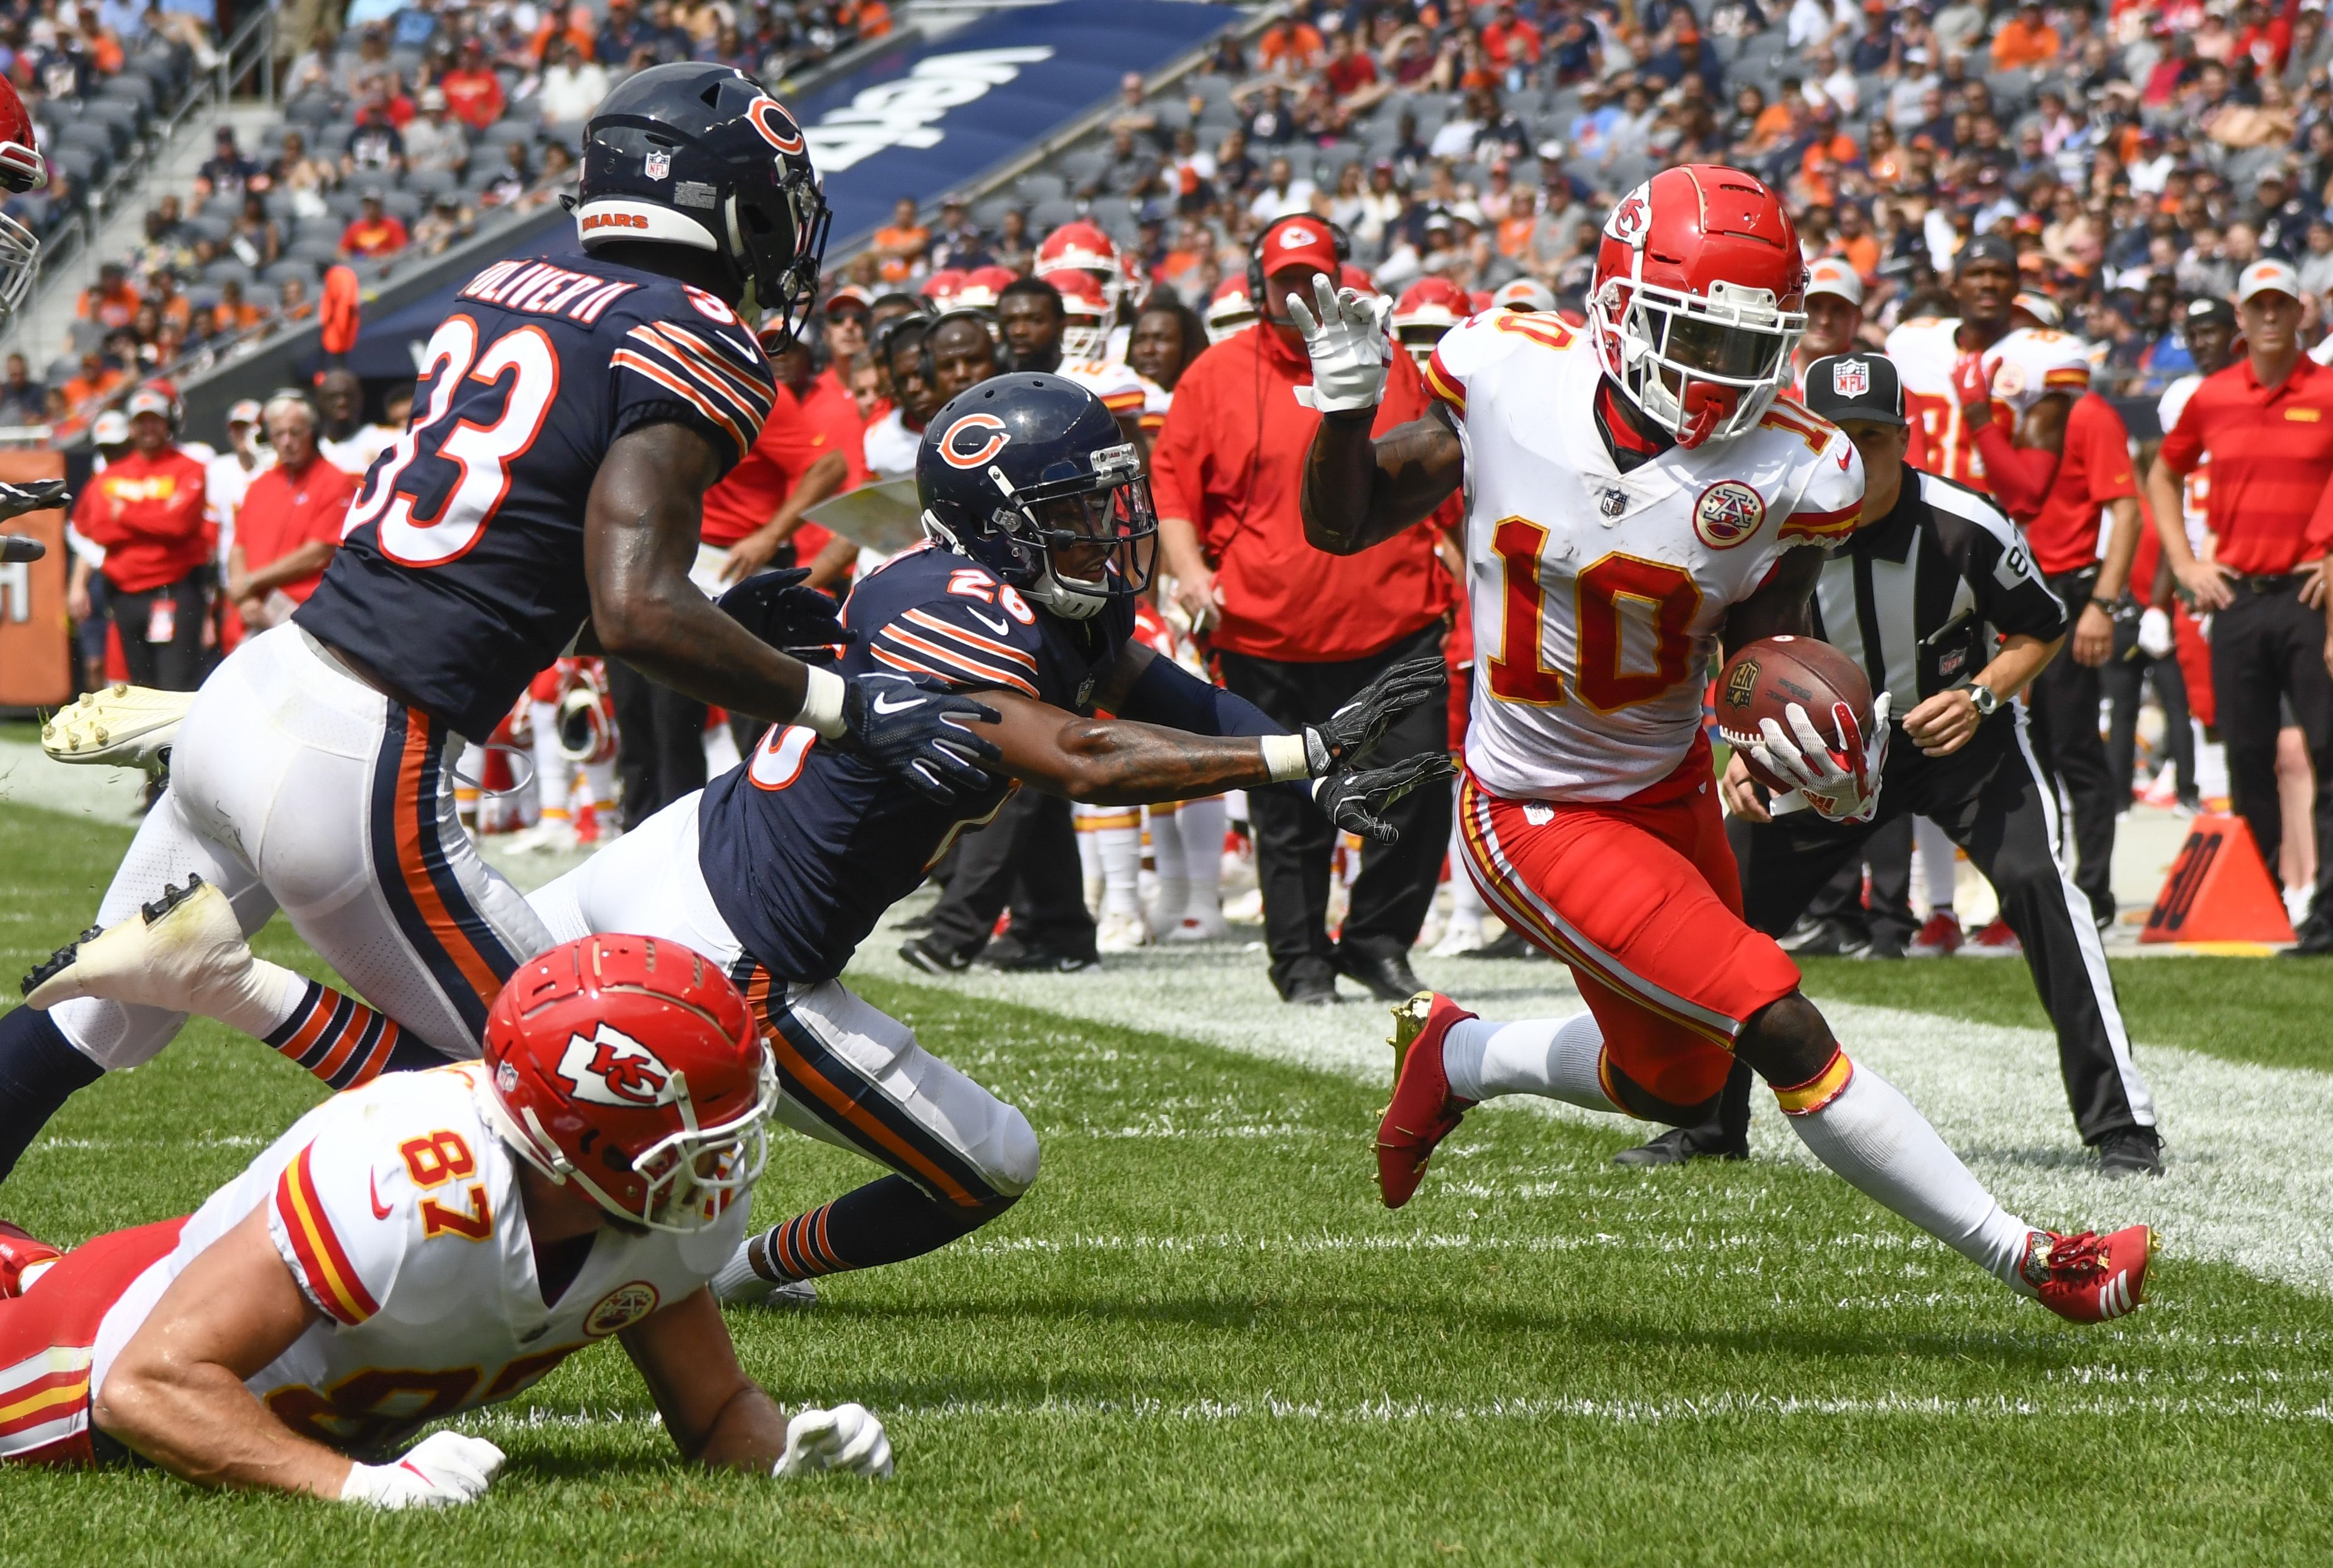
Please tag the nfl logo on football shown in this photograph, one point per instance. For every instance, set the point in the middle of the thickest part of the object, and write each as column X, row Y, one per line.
column 1850, row 377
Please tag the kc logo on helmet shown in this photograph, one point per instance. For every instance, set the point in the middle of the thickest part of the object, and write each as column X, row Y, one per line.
column 972, row 440
column 609, row 1067
column 1728, row 512
column 1633, row 217
column 1850, row 378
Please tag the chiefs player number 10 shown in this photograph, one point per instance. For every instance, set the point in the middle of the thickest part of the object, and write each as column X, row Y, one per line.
column 1663, row 596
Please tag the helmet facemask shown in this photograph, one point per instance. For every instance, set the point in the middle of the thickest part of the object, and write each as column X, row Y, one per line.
column 1075, row 540
column 1702, row 368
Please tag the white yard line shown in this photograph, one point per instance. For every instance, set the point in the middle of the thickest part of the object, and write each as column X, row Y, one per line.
column 2248, row 1183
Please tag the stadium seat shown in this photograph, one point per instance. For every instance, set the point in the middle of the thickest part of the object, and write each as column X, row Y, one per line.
column 404, row 203
column 1041, row 187
column 273, row 275
column 1049, row 214
column 82, row 335
column 505, row 131
column 319, row 248
column 429, row 182
column 1114, row 216
column 64, row 370
column 226, row 267
column 989, row 213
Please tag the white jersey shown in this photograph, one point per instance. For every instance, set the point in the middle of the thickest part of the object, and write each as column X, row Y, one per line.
column 353, row 453
column 225, row 481
column 1598, row 595
column 889, row 448
column 1123, row 390
column 2027, row 365
column 2197, row 489
column 396, row 1207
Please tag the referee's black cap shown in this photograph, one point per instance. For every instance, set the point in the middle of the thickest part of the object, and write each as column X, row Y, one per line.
column 1866, row 387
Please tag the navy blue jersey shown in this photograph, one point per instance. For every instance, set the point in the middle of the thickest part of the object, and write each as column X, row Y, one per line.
column 805, row 846
column 460, row 570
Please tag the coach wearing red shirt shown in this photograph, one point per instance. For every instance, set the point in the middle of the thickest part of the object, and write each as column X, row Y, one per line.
column 289, row 524
column 146, row 511
column 2094, row 475
column 1297, row 632
column 2266, row 422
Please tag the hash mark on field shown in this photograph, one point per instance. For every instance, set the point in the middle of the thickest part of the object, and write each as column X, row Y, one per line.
column 2247, row 1183
column 1623, row 1412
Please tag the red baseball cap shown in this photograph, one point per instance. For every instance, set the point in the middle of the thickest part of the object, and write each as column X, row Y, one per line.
column 1300, row 241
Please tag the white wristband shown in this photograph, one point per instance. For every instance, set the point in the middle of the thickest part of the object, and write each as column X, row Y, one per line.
column 821, row 708
column 1284, row 757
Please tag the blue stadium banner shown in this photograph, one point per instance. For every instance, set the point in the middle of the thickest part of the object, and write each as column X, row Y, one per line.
column 932, row 116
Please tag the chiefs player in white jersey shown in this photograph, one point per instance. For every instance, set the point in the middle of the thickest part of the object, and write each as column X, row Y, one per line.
column 1636, row 494
column 470, row 1227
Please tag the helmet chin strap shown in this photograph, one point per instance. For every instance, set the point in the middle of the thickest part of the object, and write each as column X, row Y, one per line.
column 1068, row 597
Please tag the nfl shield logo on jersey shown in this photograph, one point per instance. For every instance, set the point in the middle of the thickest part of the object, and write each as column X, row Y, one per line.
column 657, row 165
column 1850, row 378
column 1728, row 512
column 1613, row 501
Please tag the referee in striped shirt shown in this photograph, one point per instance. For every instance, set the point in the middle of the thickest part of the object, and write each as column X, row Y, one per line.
column 1936, row 598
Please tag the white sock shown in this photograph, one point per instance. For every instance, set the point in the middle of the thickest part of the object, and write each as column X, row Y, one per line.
column 599, row 783
column 1936, row 852
column 1869, row 1132
column 1201, row 824
column 551, row 784
column 1115, row 833
column 1166, row 830
column 1555, row 1058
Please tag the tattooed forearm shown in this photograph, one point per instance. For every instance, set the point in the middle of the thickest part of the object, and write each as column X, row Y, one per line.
column 1781, row 607
column 1114, row 763
column 1359, row 491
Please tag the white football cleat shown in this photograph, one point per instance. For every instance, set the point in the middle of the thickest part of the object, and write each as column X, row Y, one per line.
column 184, row 954
column 1465, row 936
column 1121, row 933
column 1207, row 926
column 552, row 835
column 123, row 726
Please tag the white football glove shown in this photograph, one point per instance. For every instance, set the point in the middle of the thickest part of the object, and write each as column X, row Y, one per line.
column 1810, row 764
column 846, row 1438
column 441, row 1470
column 1347, row 333
column 2154, row 639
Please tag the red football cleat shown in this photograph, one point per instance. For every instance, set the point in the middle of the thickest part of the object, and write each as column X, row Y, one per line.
column 2089, row 1278
column 19, row 1251
column 1995, row 940
column 1424, row 1112
column 1940, row 937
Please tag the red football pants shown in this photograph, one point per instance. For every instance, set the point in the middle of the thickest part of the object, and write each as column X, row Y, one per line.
column 45, row 1335
column 1642, row 898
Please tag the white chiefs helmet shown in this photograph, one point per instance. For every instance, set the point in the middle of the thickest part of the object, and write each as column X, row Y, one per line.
column 1085, row 333
column 1699, row 300
column 2033, row 363
column 1086, row 248
column 587, row 718
column 1522, row 295
column 1230, row 310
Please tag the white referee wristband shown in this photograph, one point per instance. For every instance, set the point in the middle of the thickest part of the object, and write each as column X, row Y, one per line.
column 821, row 708
column 1285, row 758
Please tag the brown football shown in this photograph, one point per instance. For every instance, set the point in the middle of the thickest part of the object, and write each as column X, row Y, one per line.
column 1765, row 678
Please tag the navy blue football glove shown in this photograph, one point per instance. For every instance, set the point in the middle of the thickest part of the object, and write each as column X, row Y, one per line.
column 776, row 608
column 1347, row 736
column 1358, row 801
column 919, row 728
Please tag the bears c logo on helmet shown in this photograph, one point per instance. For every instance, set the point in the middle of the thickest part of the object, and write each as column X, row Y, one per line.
column 972, row 440
column 609, row 1067
column 770, row 118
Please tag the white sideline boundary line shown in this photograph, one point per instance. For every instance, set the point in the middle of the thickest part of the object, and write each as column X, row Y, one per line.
column 2247, row 1183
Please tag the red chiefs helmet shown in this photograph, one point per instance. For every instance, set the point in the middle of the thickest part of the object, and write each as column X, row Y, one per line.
column 1427, row 309
column 1082, row 245
column 630, row 1067
column 983, row 287
column 942, row 288
column 22, row 169
column 1229, row 309
column 1698, row 300
column 1085, row 335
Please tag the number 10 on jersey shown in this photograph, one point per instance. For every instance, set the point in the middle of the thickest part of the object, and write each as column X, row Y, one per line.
column 1663, row 596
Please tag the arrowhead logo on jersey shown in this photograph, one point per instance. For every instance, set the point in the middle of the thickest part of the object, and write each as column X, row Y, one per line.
column 609, row 1067
column 972, row 440
column 1728, row 512
column 657, row 165
column 1850, row 377
column 621, row 1308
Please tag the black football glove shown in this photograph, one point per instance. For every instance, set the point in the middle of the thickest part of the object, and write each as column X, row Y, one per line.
column 917, row 729
column 1358, row 801
column 1346, row 737
column 33, row 495
column 776, row 608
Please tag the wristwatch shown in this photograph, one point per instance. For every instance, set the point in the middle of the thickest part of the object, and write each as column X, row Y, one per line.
column 1984, row 699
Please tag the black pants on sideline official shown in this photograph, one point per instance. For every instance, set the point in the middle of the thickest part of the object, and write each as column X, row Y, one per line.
column 175, row 665
column 1294, row 842
column 1994, row 799
column 1888, row 916
column 659, row 742
column 2126, row 671
column 1028, row 857
column 2266, row 647
column 2064, row 703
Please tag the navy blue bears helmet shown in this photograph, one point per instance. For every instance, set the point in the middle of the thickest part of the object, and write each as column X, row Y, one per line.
column 701, row 156
column 1029, row 474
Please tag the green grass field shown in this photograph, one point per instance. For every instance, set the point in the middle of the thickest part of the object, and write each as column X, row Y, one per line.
column 1200, row 1338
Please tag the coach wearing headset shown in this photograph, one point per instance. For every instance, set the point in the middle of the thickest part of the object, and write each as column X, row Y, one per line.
column 1297, row 632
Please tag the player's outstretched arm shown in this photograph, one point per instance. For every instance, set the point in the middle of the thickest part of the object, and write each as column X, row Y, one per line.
column 719, row 1417
column 176, row 1392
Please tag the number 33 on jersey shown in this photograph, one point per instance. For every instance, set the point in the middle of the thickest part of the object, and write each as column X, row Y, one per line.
column 1597, row 595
